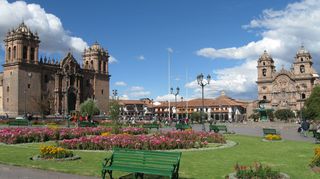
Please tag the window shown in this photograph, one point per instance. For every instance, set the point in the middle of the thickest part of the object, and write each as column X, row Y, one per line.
column 264, row 97
column 7, row 100
column 264, row 72
column 104, row 66
column 32, row 54
column 88, row 83
column 9, row 53
column 29, row 85
column 14, row 52
column 302, row 70
column 101, row 91
column 8, row 89
column 303, row 96
column 301, row 59
column 264, row 63
column 24, row 52
column 46, row 79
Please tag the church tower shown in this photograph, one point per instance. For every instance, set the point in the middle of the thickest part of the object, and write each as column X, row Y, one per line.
column 266, row 70
column 20, row 95
column 95, row 59
column 21, row 46
column 302, row 65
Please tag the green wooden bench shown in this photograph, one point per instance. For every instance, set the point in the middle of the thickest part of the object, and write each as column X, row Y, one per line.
column 267, row 131
column 18, row 123
column 218, row 128
column 141, row 162
column 182, row 126
column 86, row 124
column 150, row 126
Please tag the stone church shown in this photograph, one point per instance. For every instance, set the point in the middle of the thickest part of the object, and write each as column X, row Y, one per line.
column 32, row 85
column 286, row 88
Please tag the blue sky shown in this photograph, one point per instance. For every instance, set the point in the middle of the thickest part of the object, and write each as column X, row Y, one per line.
column 220, row 38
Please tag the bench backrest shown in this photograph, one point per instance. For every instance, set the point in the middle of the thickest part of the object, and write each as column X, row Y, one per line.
column 181, row 125
column 219, row 127
column 143, row 158
column 267, row 131
column 18, row 123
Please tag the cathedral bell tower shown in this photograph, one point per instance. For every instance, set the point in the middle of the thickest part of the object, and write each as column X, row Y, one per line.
column 21, row 45
column 266, row 70
column 302, row 65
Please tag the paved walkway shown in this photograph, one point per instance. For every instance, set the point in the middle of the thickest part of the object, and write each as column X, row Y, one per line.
column 288, row 132
column 13, row 172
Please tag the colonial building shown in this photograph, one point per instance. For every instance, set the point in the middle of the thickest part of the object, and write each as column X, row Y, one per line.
column 286, row 88
column 30, row 84
column 222, row 108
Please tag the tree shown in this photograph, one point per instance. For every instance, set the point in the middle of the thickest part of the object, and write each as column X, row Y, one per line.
column 114, row 113
column 312, row 105
column 284, row 114
column 196, row 116
column 255, row 116
column 114, row 110
column 89, row 107
column 270, row 114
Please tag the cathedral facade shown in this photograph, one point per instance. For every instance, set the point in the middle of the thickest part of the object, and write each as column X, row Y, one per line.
column 30, row 84
column 286, row 89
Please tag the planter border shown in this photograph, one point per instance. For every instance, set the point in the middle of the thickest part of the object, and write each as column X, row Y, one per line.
column 37, row 157
column 265, row 140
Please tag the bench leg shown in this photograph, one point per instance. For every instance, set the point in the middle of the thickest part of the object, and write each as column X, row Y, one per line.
column 103, row 173
column 110, row 173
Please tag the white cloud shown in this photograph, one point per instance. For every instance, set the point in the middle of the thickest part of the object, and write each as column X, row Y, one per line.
column 120, row 83
column 136, row 88
column 140, row 58
column 166, row 97
column 170, row 50
column 112, row 59
column 124, row 97
column 138, row 92
column 54, row 38
column 281, row 32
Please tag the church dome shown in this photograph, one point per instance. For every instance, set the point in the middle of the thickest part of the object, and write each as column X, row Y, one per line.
column 265, row 56
column 96, row 46
column 302, row 51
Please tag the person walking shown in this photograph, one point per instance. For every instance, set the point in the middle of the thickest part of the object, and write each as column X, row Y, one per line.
column 305, row 125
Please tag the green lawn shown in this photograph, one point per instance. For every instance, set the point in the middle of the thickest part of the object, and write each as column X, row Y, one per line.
column 288, row 156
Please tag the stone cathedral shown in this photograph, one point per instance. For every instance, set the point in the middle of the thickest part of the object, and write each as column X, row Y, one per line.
column 33, row 85
column 286, row 88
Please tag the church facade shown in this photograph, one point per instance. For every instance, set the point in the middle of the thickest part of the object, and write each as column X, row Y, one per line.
column 32, row 85
column 286, row 89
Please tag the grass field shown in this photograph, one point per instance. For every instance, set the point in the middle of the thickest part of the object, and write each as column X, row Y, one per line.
column 290, row 157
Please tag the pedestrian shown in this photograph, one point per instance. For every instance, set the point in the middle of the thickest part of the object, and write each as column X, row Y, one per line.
column 305, row 125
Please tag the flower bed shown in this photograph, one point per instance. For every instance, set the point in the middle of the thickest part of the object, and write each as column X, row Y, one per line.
column 55, row 153
column 158, row 141
column 273, row 137
column 257, row 171
column 315, row 162
column 134, row 130
column 26, row 135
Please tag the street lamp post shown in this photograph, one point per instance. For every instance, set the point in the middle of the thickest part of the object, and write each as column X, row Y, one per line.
column 152, row 110
column 203, row 83
column 114, row 93
column 175, row 97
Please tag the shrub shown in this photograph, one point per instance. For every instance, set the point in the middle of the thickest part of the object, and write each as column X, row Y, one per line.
column 273, row 137
column 52, row 152
column 257, row 171
column 316, row 158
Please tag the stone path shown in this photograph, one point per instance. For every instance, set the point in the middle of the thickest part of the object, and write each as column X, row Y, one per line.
column 13, row 172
